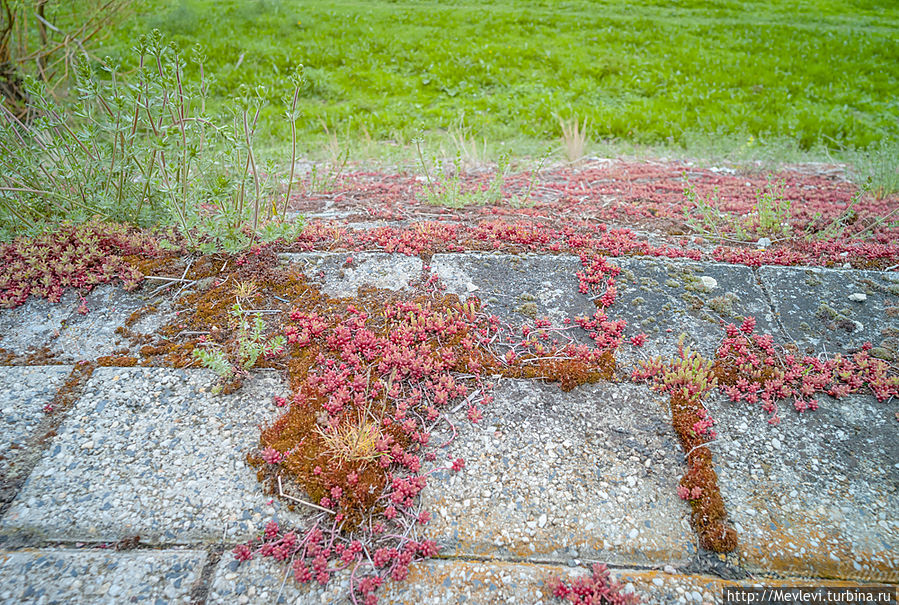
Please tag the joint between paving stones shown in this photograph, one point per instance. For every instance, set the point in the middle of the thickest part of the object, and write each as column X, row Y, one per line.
column 466, row 558
column 199, row 592
column 784, row 334
column 726, row 567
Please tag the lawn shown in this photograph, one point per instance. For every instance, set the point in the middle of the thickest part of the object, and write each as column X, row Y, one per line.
column 815, row 74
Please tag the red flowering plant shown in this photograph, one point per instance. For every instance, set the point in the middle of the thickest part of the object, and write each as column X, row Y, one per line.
column 597, row 589
column 372, row 379
column 369, row 389
column 71, row 257
column 751, row 368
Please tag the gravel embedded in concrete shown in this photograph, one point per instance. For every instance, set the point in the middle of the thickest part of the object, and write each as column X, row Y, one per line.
column 34, row 325
column 341, row 274
column 93, row 334
column 150, row 451
column 816, row 494
column 261, row 580
column 90, row 576
column 588, row 474
column 24, row 391
column 450, row 581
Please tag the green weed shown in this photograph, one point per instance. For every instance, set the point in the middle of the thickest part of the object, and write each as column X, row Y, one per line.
column 878, row 165
column 524, row 200
column 445, row 187
column 249, row 345
column 769, row 217
column 772, row 211
column 141, row 149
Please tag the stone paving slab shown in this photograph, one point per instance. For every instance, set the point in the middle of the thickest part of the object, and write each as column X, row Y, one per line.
column 448, row 581
column 654, row 296
column 150, row 451
column 34, row 324
column 488, row 582
column 93, row 334
column 73, row 336
column 88, row 576
column 591, row 473
column 817, row 494
column 836, row 310
column 657, row 295
column 24, row 391
column 518, row 288
column 341, row 274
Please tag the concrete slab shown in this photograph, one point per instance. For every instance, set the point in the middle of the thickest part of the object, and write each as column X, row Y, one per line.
column 24, row 391
column 339, row 278
column 448, row 581
column 657, row 295
column 588, row 474
column 73, row 336
column 150, row 451
column 90, row 576
column 34, row 325
column 817, row 494
column 654, row 296
column 836, row 310
column 434, row 581
column 262, row 580
column 518, row 288
column 93, row 335
column 488, row 582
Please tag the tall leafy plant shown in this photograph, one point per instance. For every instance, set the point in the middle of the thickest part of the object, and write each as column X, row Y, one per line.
column 144, row 151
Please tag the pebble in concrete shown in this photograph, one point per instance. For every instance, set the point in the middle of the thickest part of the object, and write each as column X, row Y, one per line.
column 150, row 451
column 836, row 310
column 589, row 474
column 815, row 494
column 85, row 576
column 24, row 391
column 341, row 274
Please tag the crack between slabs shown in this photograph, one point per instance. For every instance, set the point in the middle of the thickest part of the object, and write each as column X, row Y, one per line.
column 769, row 300
column 199, row 592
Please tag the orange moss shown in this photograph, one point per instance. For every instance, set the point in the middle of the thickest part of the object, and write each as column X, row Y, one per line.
column 6, row 357
column 72, row 387
column 569, row 373
column 123, row 361
column 39, row 357
column 136, row 315
column 708, row 518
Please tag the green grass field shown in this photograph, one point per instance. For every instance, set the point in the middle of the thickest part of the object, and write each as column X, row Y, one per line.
column 683, row 73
